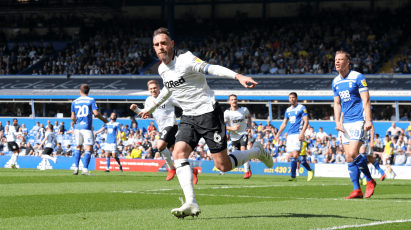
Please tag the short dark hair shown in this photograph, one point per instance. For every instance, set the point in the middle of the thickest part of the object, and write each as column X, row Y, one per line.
column 232, row 95
column 387, row 136
column 15, row 119
column 293, row 93
column 84, row 88
column 161, row 30
column 50, row 126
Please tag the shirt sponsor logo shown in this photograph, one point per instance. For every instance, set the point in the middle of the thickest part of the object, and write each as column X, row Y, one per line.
column 172, row 84
column 238, row 121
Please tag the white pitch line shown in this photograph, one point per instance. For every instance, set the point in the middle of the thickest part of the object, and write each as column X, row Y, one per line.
column 262, row 197
column 251, row 186
column 369, row 224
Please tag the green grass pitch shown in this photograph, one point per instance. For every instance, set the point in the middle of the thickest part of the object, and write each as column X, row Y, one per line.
column 55, row 199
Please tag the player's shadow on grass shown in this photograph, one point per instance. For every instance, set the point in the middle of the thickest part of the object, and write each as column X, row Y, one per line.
column 290, row 215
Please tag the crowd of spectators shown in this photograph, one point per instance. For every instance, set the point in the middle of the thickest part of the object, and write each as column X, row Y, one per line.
column 302, row 45
column 100, row 56
column 140, row 143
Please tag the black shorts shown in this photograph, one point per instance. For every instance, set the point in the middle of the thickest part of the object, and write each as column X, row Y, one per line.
column 12, row 146
column 168, row 134
column 390, row 160
column 47, row 151
column 210, row 126
column 243, row 141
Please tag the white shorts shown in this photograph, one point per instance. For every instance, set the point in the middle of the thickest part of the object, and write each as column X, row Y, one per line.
column 353, row 132
column 110, row 147
column 293, row 143
column 84, row 136
column 368, row 150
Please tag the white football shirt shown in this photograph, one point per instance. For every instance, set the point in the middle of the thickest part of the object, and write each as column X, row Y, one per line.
column 164, row 115
column 11, row 134
column 182, row 77
column 50, row 142
column 238, row 117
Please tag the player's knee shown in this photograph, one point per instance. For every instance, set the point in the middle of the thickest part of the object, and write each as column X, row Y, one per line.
column 161, row 145
column 223, row 168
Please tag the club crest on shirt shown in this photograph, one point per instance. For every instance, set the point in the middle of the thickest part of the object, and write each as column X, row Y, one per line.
column 196, row 59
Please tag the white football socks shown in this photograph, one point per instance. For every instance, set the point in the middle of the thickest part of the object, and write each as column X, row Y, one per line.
column 44, row 164
column 14, row 158
column 239, row 158
column 185, row 177
column 167, row 156
column 247, row 166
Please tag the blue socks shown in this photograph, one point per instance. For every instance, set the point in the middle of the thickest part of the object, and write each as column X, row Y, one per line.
column 76, row 158
column 108, row 163
column 377, row 166
column 293, row 167
column 87, row 156
column 354, row 174
column 304, row 162
column 362, row 163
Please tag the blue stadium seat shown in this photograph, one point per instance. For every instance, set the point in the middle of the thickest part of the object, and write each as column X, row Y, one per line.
column 320, row 159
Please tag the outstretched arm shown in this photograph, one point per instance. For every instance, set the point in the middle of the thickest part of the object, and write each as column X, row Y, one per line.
column 98, row 115
column 220, row 71
column 99, row 131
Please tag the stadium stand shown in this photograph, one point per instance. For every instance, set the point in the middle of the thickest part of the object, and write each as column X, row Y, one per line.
column 320, row 144
column 120, row 45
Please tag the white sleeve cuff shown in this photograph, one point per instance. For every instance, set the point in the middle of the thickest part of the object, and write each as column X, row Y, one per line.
column 137, row 111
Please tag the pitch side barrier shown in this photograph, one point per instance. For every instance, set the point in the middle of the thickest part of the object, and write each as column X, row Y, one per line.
column 141, row 165
column 134, row 87
column 328, row 126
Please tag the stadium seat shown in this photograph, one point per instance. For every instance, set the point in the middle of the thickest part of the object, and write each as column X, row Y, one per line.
column 320, row 159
